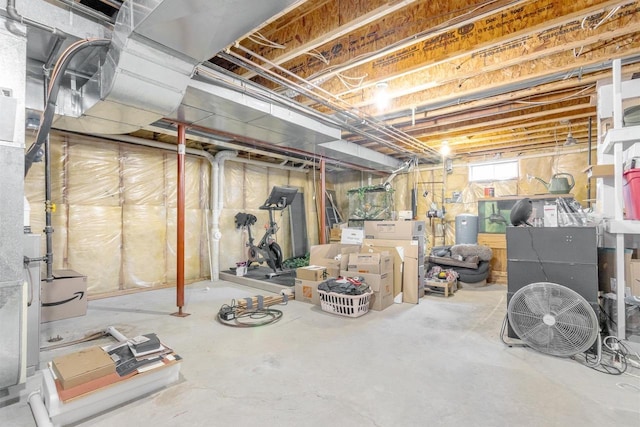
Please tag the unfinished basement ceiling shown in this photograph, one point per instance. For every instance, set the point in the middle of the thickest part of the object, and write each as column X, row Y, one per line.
column 485, row 76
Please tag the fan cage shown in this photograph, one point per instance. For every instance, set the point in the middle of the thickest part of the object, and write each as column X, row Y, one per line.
column 553, row 319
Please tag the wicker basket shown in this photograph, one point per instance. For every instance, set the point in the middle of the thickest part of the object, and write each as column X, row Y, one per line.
column 345, row 305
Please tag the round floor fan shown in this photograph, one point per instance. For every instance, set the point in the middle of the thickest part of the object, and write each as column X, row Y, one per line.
column 553, row 319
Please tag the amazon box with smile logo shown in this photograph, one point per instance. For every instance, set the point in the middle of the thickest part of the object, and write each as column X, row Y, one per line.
column 64, row 297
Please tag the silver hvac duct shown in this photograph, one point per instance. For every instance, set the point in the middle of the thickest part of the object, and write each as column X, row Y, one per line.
column 155, row 47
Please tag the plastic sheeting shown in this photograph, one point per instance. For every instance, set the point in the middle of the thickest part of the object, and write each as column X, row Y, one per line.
column 144, row 263
column 143, row 177
column 442, row 231
column 95, row 236
column 249, row 187
column 115, row 212
column 93, row 175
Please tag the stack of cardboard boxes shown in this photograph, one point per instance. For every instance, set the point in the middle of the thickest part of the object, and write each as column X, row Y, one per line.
column 376, row 270
column 390, row 260
column 307, row 281
column 405, row 240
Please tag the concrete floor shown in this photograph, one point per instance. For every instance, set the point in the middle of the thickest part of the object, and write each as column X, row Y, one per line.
column 437, row 363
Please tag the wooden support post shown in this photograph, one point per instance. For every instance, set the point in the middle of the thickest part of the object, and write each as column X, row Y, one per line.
column 182, row 140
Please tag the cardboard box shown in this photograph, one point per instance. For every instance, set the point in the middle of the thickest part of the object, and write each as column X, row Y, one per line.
column 331, row 257
column 404, row 249
column 370, row 262
column 307, row 291
column 352, row 236
column 379, row 301
column 335, row 235
column 633, row 280
column 599, row 171
column 405, row 215
column 382, row 283
column 312, row 272
column 83, row 366
column 607, row 267
column 65, row 297
column 412, row 283
column 394, row 230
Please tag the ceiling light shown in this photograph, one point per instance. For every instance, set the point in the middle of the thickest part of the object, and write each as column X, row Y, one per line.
column 382, row 96
column 445, row 150
column 570, row 140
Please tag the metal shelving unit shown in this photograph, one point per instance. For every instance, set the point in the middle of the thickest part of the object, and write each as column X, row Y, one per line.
column 617, row 140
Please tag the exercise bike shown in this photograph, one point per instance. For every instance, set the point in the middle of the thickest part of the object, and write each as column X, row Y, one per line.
column 267, row 250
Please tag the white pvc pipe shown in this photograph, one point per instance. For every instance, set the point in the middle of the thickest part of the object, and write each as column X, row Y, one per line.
column 39, row 411
column 216, row 211
column 116, row 334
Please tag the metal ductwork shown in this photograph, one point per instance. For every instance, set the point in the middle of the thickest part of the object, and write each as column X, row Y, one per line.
column 155, row 47
column 150, row 72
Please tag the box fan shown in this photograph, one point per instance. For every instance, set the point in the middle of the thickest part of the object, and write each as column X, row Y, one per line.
column 553, row 319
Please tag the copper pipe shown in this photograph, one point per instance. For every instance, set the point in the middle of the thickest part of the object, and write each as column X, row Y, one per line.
column 182, row 148
column 323, row 212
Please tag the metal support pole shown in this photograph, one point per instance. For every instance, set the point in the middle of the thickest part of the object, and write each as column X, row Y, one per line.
column 182, row 148
column 323, row 211
column 49, row 206
column 589, row 163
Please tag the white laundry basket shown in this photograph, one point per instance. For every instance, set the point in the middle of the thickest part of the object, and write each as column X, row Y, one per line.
column 345, row 305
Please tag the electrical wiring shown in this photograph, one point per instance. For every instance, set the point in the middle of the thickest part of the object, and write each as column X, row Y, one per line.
column 566, row 98
column 345, row 80
column 234, row 316
column 314, row 53
column 616, row 354
column 52, row 96
column 609, row 15
column 263, row 41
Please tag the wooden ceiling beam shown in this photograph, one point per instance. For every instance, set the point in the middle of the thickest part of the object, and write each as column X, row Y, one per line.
column 329, row 21
column 494, row 122
column 567, row 87
column 341, row 41
column 507, row 123
column 512, row 58
column 564, row 62
column 529, row 29
column 500, row 111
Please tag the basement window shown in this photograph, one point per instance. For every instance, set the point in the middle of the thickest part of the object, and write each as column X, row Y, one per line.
column 494, row 171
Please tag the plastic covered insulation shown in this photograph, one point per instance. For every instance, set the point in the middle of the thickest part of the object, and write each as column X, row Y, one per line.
column 247, row 188
column 115, row 212
column 453, row 191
